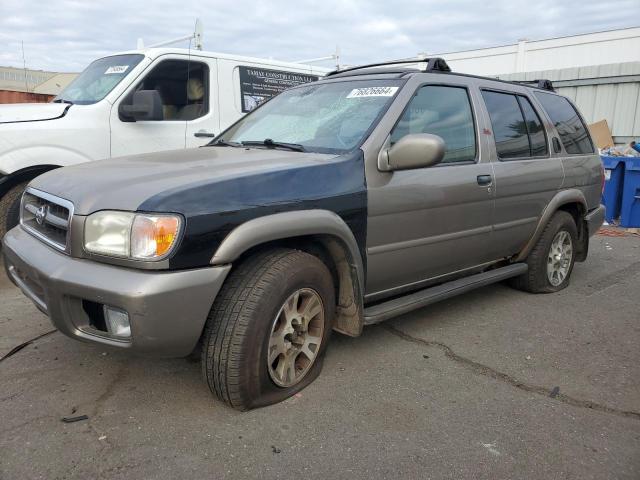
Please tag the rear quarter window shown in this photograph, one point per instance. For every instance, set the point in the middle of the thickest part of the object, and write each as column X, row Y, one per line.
column 573, row 132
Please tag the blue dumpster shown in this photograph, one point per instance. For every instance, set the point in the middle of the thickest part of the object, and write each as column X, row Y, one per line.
column 612, row 195
column 630, row 208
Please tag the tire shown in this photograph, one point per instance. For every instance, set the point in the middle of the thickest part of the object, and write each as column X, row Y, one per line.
column 249, row 313
column 10, row 208
column 537, row 279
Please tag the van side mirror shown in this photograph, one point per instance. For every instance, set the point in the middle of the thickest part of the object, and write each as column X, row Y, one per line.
column 146, row 105
column 417, row 150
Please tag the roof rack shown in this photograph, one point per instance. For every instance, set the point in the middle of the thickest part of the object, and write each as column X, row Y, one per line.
column 540, row 83
column 435, row 64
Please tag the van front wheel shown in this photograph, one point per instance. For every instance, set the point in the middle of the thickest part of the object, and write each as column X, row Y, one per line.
column 268, row 328
column 10, row 208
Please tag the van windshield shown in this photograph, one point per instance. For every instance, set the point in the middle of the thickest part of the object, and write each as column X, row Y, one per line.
column 321, row 117
column 98, row 79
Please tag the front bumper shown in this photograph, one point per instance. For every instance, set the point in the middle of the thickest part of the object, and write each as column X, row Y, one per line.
column 595, row 219
column 167, row 310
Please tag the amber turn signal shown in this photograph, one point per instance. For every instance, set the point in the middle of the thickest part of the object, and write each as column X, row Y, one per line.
column 152, row 236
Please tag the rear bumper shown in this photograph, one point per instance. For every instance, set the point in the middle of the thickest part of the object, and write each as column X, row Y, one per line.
column 167, row 310
column 595, row 219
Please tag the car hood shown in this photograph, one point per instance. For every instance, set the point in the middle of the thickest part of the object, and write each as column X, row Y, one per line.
column 152, row 182
column 32, row 112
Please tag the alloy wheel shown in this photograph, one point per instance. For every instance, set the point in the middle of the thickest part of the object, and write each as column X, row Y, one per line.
column 295, row 338
column 559, row 258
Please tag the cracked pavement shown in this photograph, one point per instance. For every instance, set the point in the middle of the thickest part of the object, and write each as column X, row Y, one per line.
column 461, row 389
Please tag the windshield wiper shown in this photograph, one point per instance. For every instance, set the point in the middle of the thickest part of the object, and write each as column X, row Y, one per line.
column 267, row 142
column 221, row 142
column 62, row 100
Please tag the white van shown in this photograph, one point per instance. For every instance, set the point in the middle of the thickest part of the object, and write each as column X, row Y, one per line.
column 134, row 102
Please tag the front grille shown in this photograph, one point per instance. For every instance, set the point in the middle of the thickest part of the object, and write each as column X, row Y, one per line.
column 47, row 217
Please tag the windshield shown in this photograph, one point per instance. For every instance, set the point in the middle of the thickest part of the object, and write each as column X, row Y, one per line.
column 98, row 79
column 323, row 117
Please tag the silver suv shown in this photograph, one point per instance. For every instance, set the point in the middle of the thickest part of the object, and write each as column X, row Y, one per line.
column 337, row 204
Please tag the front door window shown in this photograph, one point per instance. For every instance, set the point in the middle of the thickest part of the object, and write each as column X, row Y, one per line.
column 442, row 111
column 183, row 88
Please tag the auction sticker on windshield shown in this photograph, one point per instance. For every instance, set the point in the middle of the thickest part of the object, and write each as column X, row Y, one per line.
column 372, row 92
column 116, row 69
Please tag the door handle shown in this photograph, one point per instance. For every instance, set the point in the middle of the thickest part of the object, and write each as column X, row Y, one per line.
column 484, row 180
column 202, row 133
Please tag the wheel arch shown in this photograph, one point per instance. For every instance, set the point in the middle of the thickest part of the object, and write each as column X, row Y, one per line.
column 571, row 201
column 25, row 174
column 319, row 232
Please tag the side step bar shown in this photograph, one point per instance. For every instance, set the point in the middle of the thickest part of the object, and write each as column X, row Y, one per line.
column 398, row 306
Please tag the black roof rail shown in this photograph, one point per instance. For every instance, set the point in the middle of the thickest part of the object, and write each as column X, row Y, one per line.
column 540, row 83
column 435, row 64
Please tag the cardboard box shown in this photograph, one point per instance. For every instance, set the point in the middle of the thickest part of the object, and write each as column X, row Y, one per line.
column 601, row 134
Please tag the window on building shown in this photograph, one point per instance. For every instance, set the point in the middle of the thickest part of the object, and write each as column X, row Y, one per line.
column 573, row 133
column 442, row 111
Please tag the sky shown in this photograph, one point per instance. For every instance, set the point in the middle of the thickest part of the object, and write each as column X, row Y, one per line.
column 66, row 35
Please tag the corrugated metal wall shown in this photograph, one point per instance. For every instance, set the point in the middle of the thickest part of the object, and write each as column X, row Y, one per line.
column 610, row 92
column 10, row 96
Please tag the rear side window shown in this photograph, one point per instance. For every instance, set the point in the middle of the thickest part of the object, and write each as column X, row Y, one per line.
column 442, row 111
column 509, row 128
column 537, row 136
column 572, row 131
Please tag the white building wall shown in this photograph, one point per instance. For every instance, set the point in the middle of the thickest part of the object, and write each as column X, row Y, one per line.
column 599, row 71
column 18, row 79
column 614, row 46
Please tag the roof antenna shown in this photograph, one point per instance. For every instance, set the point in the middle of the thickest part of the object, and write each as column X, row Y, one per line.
column 24, row 67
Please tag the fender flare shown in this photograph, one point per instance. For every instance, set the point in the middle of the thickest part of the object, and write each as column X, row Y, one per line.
column 561, row 198
column 279, row 226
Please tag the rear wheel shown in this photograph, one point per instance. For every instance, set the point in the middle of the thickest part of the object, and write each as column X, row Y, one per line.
column 268, row 328
column 10, row 208
column 552, row 258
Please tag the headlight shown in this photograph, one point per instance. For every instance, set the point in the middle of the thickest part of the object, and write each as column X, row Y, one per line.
column 131, row 235
column 108, row 233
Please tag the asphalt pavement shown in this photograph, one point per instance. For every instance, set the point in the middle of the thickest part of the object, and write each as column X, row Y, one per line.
column 494, row 384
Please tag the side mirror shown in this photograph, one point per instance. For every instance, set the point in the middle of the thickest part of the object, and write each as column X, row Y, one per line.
column 146, row 105
column 417, row 150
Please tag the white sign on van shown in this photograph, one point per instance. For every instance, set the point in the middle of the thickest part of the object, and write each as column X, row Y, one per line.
column 116, row 69
column 372, row 92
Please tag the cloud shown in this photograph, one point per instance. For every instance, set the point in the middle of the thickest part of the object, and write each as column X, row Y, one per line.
column 66, row 35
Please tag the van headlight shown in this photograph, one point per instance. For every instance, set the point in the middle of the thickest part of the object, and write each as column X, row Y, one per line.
column 137, row 236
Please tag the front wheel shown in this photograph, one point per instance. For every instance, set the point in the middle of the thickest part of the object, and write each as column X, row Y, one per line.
column 268, row 328
column 10, row 208
column 552, row 258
